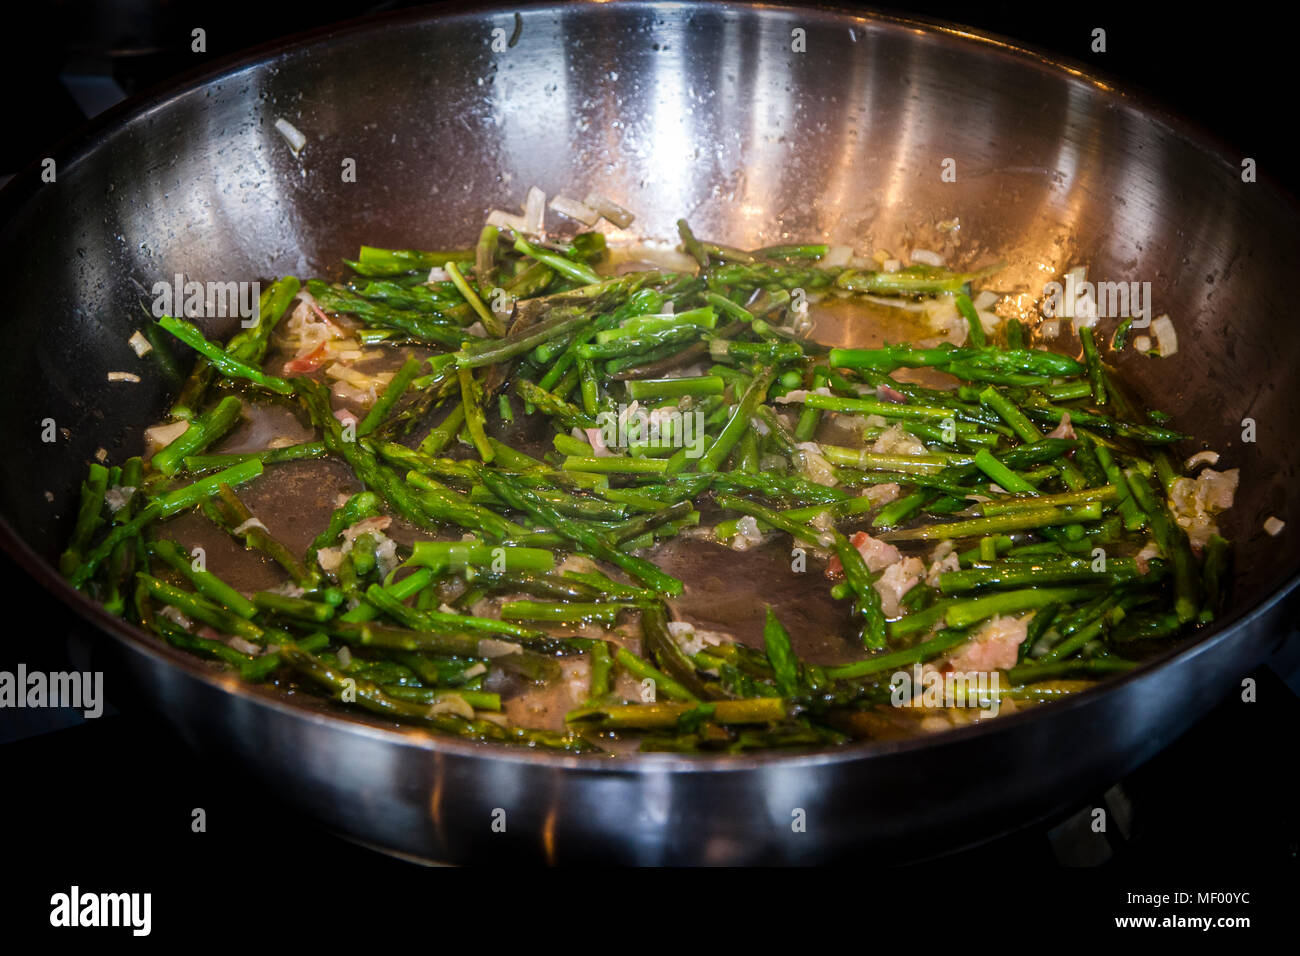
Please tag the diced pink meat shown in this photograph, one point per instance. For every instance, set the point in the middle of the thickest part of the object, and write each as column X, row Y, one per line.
column 877, row 554
column 995, row 646
column 1064, row 429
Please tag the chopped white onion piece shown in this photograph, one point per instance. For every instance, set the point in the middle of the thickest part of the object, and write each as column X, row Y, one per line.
column 747, row 528
column 123, row 377
column 347, row 373
column 506, row 220
column 1050, row 328
column 346, row 393
column 235, row 642
column 660, row 253
column 491, row 648
column 1274, row 526
column 1142, row 343
column 610, row 210
column 452, row 704
column 164, row 435
column 927, row 258
column 374, row 526
column 1166, row 337
column 891, row 265
column 534, row 210
column 985, row 299
column 329, row 559
column 386, row 559
column 250, row 523
column 139, row 344
column 293, row 136
column 1202, row 457
column 800, row 394
column 1085, row 311
column 837, row 256
column 117, row 497
column 172, row 614
column 990, row 321
column 575, row 210
column 345, row 656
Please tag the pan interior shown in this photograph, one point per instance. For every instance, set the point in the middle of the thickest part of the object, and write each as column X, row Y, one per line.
column 672, row 110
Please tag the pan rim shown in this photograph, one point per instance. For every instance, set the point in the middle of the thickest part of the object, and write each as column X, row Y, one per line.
column 15, row 194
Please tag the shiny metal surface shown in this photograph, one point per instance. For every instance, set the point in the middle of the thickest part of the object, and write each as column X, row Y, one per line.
column 670, row 109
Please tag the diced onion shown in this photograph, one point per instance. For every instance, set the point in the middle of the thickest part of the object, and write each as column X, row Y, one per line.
column 660, row 253
column 534, row 210
column 1142, row 343
column 748, row 526
column 575, row 210
column 293, row 136
column 507, row 220
column 347, row 373
column 926, row 257
column 1202, row 457
column 117, row 497
column 837, row 256
column 164, row 435
column 375, row 526
column 172, row 614
column 329, row 559
column 452, row 704
column 235, row 642
column 250, row 523
column 139, row 344
column 1166, row 337
column 492, row 648
column 123, row 377
column 386, row 559
column 1274, row 525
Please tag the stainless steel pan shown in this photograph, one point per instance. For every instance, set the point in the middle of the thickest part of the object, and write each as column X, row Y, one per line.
column 673, row 109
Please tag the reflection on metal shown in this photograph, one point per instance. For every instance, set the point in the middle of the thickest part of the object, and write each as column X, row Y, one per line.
column 675, row 110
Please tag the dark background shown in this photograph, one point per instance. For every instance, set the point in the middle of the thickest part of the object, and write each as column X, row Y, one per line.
column 111, row 799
